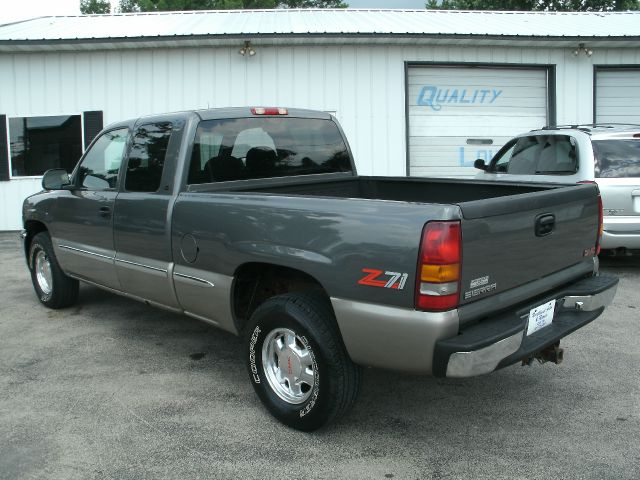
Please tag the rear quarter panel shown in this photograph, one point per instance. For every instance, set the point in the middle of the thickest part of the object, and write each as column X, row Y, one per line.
column 331, row 239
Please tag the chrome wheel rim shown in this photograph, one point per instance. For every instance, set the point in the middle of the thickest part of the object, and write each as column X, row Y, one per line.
column 43, row 272
column 288, row 366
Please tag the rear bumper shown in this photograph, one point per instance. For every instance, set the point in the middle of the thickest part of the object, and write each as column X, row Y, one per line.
column 501, row 341
column 621, row 232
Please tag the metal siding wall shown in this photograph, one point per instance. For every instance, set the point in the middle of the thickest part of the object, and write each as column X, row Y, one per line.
column 363, row 84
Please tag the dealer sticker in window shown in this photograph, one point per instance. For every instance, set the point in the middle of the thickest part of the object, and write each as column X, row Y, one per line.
column 540, row 317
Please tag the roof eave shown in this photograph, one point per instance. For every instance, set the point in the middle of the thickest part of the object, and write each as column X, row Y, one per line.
column 177, row 41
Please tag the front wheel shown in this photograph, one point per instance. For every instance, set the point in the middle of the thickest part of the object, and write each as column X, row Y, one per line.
column 297, row 362
column 53, row 287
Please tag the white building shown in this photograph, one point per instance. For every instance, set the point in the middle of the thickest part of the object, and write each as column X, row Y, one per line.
column 417, row 92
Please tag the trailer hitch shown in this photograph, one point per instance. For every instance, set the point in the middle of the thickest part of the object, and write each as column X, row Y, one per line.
column 552, row 353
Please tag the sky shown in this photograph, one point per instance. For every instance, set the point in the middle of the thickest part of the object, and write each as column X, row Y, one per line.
column 12, row 10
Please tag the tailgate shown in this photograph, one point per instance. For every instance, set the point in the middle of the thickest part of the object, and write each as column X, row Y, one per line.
column 515, row 240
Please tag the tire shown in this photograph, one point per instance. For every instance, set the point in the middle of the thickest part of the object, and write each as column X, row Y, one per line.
column 297, row 362
column 53, row 288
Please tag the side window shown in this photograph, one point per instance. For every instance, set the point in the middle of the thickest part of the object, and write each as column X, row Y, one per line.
column 100, row 166
column 146, row 157
column 558, row 156
column 501, row 163
column 524, row 156
column 539, row 155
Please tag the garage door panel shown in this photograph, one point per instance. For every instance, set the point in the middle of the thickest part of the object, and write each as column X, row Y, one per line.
column 488, row 110
column 458, row 114
column 465, row 128
column 621, row 102
column 617, row 96
column 435, row 142
column 474, row 117
column 482, row 73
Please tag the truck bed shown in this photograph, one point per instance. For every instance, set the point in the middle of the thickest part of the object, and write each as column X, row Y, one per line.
column 417, row 190
column 500, row 243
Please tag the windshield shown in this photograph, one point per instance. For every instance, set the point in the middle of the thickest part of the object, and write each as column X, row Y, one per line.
column 617, row 158
column 246, row 148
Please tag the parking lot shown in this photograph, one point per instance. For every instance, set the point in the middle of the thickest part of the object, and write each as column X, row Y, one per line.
column 112, row 388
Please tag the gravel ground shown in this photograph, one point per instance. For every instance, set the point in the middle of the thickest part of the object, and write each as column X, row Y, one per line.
column 113, row 389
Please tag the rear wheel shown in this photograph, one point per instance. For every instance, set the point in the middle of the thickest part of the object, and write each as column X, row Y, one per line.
column 53, row 287
column 297, row 362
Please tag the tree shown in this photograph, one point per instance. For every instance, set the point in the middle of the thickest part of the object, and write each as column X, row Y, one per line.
column 95, row 6
column 176, row 5
column 542, row 5
column 313, row 4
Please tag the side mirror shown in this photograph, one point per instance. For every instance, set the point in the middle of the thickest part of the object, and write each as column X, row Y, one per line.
column 55, row 179
column 480, row 165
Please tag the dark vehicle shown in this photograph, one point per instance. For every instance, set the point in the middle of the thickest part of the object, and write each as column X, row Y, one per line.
column 255, row 221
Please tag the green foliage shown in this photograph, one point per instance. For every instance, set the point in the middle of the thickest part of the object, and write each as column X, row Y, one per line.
column 95, row 6
column 313, row 4
column 175, row 5
column 541, row 5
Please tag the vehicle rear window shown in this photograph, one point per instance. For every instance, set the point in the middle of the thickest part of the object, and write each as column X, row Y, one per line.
column 538, row 155
column 616, row 158
column 247, row 148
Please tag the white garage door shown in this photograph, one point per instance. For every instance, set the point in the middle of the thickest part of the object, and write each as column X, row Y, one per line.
column 618, row 96
column 459, row 114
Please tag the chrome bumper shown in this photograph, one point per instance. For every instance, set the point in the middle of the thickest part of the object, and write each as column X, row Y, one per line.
column 517, row 346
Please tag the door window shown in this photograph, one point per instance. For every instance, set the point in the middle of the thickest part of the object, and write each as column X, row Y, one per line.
column 100, row 167
column 147, row 156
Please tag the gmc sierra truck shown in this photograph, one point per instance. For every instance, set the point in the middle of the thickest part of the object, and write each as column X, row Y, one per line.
column 254, row 220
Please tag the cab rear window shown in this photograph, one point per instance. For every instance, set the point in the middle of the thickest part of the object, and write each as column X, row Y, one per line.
column 249, row 148
column 616, row 158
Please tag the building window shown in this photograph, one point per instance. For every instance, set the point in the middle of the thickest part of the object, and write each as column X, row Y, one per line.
column 40, row 143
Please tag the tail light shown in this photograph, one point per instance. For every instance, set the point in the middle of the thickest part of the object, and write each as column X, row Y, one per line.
column 600, row 225
column 600, row 218
column 439, row 265
column 269, row 111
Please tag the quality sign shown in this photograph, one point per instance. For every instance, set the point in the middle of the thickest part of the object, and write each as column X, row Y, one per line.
column 435, row 97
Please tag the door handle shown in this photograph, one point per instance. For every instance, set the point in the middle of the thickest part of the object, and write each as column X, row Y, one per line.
column 105, row 212
column 545, row 224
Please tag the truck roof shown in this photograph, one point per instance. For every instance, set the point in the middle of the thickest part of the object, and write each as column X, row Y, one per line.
column 238, row 112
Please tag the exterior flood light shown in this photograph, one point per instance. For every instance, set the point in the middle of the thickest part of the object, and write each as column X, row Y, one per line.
column 582, row 48
column 247, row 49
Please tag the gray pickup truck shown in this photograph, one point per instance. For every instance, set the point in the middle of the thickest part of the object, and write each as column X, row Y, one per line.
column 254, row 220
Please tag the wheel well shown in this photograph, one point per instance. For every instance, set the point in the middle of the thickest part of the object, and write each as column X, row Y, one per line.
column 257, row 282
column 32, row 227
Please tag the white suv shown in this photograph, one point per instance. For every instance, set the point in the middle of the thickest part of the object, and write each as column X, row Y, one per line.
column 607, row 154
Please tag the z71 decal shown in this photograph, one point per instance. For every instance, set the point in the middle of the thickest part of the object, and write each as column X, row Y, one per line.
column 383, row 279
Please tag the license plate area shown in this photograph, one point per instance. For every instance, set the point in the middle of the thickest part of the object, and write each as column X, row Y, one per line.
column 540, row 317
